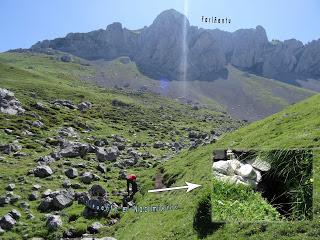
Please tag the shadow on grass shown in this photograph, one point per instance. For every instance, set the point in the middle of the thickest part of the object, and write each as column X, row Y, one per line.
column 202, row 221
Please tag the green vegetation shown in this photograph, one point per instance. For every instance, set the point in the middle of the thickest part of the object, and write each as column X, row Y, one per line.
column 146, row 118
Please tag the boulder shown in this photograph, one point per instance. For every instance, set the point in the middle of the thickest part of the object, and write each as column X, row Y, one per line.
column 45, row 205
column 97, row 191
column 9, row 104
column 11, row 187
column 247, row 171
column 33, row 196
column 222, row 167
column 64, row 103
column 107, row 154
column 74, row 150
column 95, row 227
column 37, row 124
column 102, row 168
column 42, row 171
column 87, row 177
column 84, row 106
column 54, row 222
column 63, row 200
column 71, row 173
column 67, row 132
column 259, row 164
column 15, row 214
column 158, row 144
column 7, row 222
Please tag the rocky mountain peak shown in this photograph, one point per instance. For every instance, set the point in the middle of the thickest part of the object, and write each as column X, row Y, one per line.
column 158, row 49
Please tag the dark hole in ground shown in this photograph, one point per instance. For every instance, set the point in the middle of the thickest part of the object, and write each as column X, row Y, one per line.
column 273, row 189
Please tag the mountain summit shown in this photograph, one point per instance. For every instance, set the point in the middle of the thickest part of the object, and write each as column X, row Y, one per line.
column 158, row 50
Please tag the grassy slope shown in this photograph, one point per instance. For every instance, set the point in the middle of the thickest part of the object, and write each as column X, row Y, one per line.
column 299, row 130
column 295, row 127
column 193, row 166
column 36, row 77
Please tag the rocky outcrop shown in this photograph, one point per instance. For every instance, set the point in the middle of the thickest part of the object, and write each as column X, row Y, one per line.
column 172, row 49
column 309, row 62
column 8, row 103
column 282, row 58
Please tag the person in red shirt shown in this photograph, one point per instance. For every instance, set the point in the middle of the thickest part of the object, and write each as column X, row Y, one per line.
column 132, row 180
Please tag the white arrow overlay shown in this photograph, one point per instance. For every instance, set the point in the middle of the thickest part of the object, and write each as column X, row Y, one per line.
column 190, row 187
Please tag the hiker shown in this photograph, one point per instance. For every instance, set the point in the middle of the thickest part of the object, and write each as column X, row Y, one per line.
column 132, row 180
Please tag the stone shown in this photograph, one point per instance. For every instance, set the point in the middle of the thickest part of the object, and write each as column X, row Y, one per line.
column 43, row 171
column 97, row 191
column 33, row 196
column 158, row 144
column 37, row 124
column 87, row 177
column 259, row 164
column 14, row 198
column 71, row 173
column 108, row 154
column 11, row 187
column 222, row 167
column 64, row 103
column 66, row 183
column 84, row 106
column 95, row 227
column 4, row 200
column 63, row 200
column 36, row 187
column 7, row 222
column 9, row 104
column 15, row 214
column 47, row 193
column 68, row 132
column 234, row 164
column 247, row 171
column 66, row 58
column 102, row 168
column 54, row 222
column 73, row 150
column 45, row 205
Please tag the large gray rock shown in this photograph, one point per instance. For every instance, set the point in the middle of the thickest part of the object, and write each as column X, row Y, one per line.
column 87, row 177
column 74, row 150
column 71, row 173
column 282, row 58
column 42, row 171
column 309, row 62
column 15, row 214
column 54, row 222
column 45, row 205
column 7, row 222
column 84, row 106
column 8, row 103
column 107, row 154
column 63, row 200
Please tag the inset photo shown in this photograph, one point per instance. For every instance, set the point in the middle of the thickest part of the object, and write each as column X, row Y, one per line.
column 266, row 185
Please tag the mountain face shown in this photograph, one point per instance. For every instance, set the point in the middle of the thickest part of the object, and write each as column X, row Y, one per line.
column 158, row 50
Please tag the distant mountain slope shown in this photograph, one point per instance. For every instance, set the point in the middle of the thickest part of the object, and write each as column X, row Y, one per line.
column 161, row 50
column 243, row 95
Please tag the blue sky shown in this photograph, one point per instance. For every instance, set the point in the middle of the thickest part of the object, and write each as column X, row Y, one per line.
column 23, row 23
